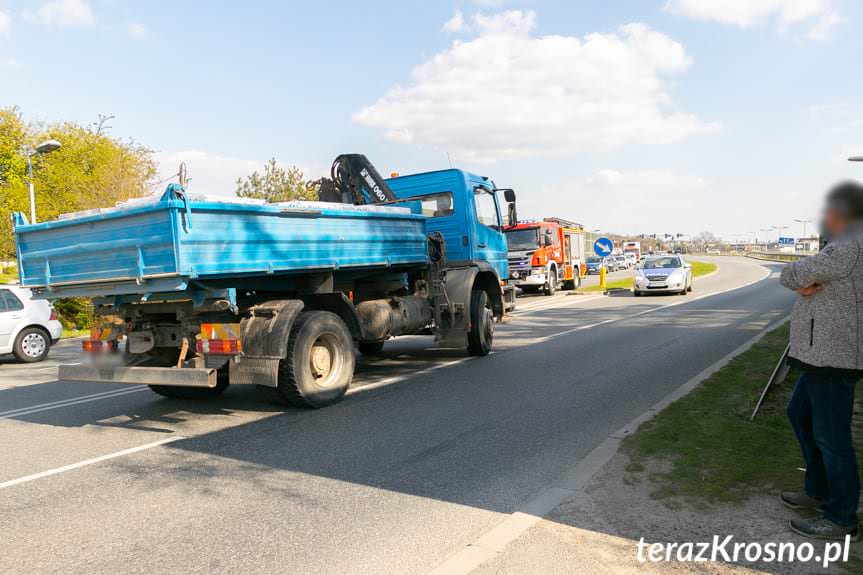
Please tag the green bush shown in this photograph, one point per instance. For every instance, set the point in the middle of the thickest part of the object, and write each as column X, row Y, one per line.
column 75, row 313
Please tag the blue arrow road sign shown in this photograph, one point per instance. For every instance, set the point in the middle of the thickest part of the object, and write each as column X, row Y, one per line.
column 603, row 247
column 786, row 240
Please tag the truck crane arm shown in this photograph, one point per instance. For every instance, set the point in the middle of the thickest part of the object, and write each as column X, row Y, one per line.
column 354, row 180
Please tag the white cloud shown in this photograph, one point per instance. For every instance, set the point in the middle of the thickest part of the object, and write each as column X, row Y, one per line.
column 508, row 93
column 136, row 30
column 748, row 13
column 215, row 175
column 207, row 173
column 66, row 13
column 454, row 24
column 8, row 63
column 645, row 201
column 5, row 22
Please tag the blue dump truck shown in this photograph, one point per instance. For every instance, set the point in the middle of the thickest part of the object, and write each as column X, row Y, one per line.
column 192, row 294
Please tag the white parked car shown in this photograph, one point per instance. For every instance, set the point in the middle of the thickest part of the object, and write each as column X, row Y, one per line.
column 28, row 327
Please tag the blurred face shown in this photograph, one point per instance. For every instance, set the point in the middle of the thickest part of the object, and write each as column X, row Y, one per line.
column 832, row 222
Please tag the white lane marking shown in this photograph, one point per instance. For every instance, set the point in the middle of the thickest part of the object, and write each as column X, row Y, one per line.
column 399, row 378
column 647, row 311
column 574, row 480
column 86, row 462
column 69, row 401
column 549, row 302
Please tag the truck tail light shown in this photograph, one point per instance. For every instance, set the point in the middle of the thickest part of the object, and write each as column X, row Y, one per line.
column 219, row 346
column 98, row 346
column 219, row 339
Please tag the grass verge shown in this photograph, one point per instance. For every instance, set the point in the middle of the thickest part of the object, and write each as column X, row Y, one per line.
column 702, row 268
column 712, row 451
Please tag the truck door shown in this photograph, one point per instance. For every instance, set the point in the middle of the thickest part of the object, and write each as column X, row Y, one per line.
column 489, row 243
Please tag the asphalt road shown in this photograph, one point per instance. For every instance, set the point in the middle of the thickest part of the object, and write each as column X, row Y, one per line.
column 429, row 451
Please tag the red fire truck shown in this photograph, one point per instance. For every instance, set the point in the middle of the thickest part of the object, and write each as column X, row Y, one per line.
column 545, row 255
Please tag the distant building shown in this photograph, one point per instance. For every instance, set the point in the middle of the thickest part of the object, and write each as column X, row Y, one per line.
column 807, row 245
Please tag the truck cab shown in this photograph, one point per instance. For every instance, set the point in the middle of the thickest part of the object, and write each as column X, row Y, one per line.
column 465, row 209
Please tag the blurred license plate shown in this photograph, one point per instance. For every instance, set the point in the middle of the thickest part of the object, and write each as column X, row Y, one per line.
column 656, row 283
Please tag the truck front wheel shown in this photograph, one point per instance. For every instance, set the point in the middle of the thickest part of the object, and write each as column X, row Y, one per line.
column 319, row 364
column 481, row 334
column 551, row 285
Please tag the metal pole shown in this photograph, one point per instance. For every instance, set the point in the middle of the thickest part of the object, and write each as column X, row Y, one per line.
column 32, row 191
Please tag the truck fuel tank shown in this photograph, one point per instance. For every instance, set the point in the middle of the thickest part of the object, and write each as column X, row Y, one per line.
column 383, row 318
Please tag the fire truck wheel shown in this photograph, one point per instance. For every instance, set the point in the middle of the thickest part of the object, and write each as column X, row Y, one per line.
column 319, row 364
column 481, row 334
column 551, row 285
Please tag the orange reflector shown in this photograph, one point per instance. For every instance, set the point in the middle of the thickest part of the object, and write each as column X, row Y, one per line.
column 98, row 346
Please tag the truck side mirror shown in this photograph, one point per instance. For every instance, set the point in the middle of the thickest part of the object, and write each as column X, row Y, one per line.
column 509, row 196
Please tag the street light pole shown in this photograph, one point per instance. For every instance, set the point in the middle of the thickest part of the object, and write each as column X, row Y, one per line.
column 44, row 148
column 804, row 222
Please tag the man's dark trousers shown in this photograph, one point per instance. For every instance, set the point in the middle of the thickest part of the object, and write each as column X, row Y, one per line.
column 820, row 411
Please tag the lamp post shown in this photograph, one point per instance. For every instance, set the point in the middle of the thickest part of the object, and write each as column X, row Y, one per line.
column 765, row 230
column 44, row 148
column 804, row 222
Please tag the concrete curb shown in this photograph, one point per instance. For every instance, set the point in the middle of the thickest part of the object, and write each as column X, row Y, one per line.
column 576, row 478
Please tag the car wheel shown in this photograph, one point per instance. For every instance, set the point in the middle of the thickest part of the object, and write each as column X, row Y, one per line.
column 32, row 345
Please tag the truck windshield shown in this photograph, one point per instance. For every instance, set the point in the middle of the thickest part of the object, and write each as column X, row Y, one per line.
column 527, row 239
column 432, row 205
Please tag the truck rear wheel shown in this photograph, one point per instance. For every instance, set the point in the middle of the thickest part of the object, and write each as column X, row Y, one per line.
column 481, row 334
column 181, row 392
column 319, row 364
column 370, row 347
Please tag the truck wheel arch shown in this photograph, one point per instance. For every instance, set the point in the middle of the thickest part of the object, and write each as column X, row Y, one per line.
column 488, row 281
column 338, row 304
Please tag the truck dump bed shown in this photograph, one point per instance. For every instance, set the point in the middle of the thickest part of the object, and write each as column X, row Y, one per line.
column 161, row 245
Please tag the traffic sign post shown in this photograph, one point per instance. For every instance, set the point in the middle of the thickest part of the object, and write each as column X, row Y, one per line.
column 603, row 247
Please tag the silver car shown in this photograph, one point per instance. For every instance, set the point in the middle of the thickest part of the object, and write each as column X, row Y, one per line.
column 663, row 274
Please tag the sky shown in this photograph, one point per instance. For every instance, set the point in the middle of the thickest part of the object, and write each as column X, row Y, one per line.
column 633, row 116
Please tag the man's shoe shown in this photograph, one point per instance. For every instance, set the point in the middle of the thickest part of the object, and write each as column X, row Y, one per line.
column 799, row 500
column 823, row 528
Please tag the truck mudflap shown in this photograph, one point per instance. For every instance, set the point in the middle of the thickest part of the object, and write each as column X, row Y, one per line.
column 264, row 337
column 176, row 376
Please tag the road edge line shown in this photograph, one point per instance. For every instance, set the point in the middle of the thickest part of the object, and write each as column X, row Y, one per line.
column 493, row 541
column 87, row 462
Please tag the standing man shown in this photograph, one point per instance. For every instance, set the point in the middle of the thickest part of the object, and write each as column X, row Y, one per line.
column 827, row 346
